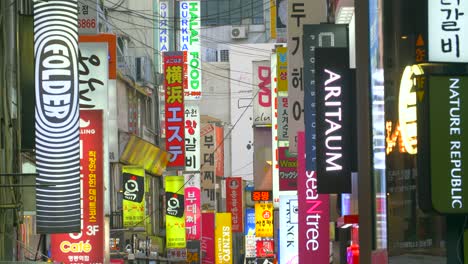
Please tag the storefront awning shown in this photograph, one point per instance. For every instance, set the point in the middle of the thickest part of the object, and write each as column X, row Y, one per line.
column 143, row 153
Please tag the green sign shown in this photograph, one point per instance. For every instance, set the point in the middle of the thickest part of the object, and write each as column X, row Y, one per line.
column 446, row 119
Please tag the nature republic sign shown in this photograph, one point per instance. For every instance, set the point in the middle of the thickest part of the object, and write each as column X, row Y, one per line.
column 442, row 145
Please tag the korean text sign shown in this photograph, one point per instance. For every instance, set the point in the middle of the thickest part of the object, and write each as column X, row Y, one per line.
column 87, row 246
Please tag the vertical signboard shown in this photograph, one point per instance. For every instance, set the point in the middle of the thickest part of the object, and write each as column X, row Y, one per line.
column 316, row 36
column 440, row 128
column 282, row 70
column 164, row 39
column 190, row 42
column 193, row 206
column 283, row 116
column 287, row 170
column 174, row 108
column 249, row 232
column 208, row 238
column 289, row 229
column 219, row 154
column 175, row 220
column 91, row 238
column 234, row 201
column 334, row 120
column 264, row 219
column 193, row 252
column 261, row 92
column 298, row 16
column 274, row 130
column 314, row 214
column 133, row 196
column 57, row 117
column 223, row 238
column 448, row 31
column 192, row 137
column 207, row 136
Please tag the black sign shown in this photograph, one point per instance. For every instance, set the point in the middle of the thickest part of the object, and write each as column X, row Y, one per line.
column 133, row 187
column 334, row 129
column 174, row 204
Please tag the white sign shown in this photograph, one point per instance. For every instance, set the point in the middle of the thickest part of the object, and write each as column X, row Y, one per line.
column 289, row 239
column 299, row 14
column 448, row 31
column 192, row 137
column 164, row 26
column 190, row 42
column 88, row 18
column 274, row 131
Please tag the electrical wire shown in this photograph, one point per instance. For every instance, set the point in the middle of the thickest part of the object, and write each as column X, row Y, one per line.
column 212, row 153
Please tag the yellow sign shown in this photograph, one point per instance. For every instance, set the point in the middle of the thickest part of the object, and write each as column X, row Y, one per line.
column 264, row 219
column 282, row 69
column 223, row 238
column 273, row 19
column 133, row 196
column 140, row 152
column 175, row 218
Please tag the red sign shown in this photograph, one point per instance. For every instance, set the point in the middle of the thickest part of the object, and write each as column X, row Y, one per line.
column 87, row 246
column 219, row 155
column 262, row 196
column 174, row 106
column 208, row 238
column 265, row 248
column 234, row 202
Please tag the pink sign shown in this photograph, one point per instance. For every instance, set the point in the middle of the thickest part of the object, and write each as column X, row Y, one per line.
column 192, row 206
column 208, row 238
column 313, row 211
column 287, row 170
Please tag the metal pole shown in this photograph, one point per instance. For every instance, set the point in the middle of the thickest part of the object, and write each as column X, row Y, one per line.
column 365, row 192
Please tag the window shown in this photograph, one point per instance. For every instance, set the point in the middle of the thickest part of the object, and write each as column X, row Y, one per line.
column 232, row 12
column 224, row 55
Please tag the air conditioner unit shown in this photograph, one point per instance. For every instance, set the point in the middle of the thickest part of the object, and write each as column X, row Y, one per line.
column 238, row 32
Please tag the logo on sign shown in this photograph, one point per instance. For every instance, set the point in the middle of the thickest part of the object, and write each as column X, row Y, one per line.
column 175, row 204
column 133, row 188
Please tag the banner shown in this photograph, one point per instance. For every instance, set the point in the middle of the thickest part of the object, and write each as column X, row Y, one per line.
column 174, row 108
column 192, row 137
column 289, row 229
column 64, row 247
column 249, row 231
column 208, row 238
column 265, row 248
column 287, row 170
column 298, row 16
column 223, row 237
column 175, row 220
column 336, row 117
column 264, row 220
column 190, row 22
column 283, row 116
column 207, row 134
column 314, row 214
column 234, row 201
column 262, row 92
column 219, row 155
column 133, row 196
column 274, row 130
column 192, row 206
column 57, row 117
